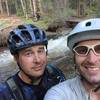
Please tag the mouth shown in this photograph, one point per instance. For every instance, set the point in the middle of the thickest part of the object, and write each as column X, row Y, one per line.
column 37, row 68
column 93, row 68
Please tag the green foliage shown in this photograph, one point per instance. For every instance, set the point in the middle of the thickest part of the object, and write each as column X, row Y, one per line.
column 43, row 24
column 40, row 23
column 20, row 12
column 67, row 13
column 73, row 4
column 52, row 13
column 2, row 24
column 97, row 10
column 94, row 10
column 26, row 20
column 52, row 10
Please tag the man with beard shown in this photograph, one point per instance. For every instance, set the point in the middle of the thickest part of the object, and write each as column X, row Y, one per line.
column 84, row 42
column 28, row 45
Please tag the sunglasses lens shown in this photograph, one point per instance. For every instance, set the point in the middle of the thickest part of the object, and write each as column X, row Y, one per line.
column 97, row 49
column 81, row 50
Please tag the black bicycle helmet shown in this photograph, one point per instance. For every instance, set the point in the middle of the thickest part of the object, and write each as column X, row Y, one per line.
column 25, row 35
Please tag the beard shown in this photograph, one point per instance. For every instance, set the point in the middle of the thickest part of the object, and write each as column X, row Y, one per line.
column 95, row 85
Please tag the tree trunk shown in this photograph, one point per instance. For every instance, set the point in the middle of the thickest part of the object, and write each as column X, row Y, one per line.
column 35, row 7
column 16, row 5
column 1, row 9
column 40, row 7
column 7, row 8
column 58, row 8
column 24, row 8
column 31, row 7
column 80, row 8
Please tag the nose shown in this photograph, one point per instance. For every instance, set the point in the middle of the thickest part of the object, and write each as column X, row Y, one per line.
column 36, row 57
column 92, row 57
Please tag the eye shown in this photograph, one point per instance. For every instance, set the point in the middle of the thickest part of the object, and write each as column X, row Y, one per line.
column 97, row 49
column 29, row 53
column 41, row 51
column 81, row 49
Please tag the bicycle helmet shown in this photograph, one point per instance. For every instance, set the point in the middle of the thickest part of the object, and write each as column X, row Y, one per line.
column 25, row 35
column 85, row 30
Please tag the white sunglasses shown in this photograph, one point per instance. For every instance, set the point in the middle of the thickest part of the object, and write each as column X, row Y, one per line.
column 84, row 50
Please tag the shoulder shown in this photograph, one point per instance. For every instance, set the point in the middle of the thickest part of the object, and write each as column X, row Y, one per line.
column 62, row 90
column 64, row 85
column 5, row 91
column 57, row 92
column 67, row 83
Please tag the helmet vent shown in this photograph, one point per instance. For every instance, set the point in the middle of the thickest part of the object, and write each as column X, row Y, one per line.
column 37, row 34
column 16, row 39
column 21, row 27
column 12, row 33
column 32, row 26
column 88, row 24
column 26, row 35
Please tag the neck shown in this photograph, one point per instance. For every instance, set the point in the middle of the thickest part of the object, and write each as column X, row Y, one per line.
column 36, row 81
column 88, row 87
column 25, row 78
column 93, row 90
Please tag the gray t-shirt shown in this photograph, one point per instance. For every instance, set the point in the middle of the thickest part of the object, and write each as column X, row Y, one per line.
column 71, row 89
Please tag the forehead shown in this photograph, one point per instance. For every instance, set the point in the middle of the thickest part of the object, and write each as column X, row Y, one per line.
column 35, row 47
column 89, row 42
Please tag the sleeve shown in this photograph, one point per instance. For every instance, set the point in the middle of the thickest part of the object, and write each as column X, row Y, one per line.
column 55, row 94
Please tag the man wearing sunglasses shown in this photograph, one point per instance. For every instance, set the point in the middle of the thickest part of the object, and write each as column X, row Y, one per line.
column 84, row 42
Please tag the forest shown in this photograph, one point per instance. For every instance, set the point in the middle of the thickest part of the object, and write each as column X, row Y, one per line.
column 51, row 15
column 50, row 10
